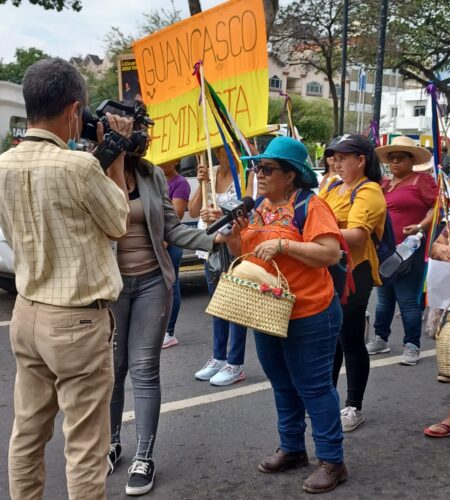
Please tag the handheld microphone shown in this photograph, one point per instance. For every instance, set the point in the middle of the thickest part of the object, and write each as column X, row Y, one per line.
column 231, row 211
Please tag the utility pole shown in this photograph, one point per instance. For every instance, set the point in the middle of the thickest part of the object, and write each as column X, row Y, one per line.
column 344, row 67
column 380, row 61
column 194, row 7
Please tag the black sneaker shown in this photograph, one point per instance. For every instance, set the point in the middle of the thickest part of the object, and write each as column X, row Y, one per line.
column 140, row 477
column 114, row 454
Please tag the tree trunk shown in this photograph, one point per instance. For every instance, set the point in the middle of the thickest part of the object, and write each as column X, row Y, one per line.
column 270, row 9
column 194, row 7
column 334, row 97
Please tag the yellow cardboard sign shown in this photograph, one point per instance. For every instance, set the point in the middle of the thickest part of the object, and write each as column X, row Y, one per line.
column 230, row 39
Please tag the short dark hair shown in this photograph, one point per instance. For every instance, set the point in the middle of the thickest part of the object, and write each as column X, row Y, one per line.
column 49, row 86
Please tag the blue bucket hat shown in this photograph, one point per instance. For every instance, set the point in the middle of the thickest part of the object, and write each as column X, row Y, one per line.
column 292, row 151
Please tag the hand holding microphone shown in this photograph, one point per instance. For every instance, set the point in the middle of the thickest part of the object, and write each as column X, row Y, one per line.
column 232, row 210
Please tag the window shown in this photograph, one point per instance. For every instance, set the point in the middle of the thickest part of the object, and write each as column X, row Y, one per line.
column 394, row 111
column 314, row 88
column 275, row 83
column 419, row 110
column 338, row 91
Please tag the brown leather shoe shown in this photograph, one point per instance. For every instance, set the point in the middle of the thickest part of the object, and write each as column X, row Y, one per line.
column 282, row 460
column 325, row 477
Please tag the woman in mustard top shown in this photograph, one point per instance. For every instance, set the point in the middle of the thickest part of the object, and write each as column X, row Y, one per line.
column 360, row 208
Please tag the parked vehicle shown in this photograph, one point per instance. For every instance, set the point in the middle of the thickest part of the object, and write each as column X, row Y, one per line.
column 6, row 266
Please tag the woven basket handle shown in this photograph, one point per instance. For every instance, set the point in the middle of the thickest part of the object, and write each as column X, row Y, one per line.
column 281, row 279
column 443, row 320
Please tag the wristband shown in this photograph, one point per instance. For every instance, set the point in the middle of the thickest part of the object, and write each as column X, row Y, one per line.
column 419, row 226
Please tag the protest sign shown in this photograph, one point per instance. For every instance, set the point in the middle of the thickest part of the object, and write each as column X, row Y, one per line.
column 230, row 39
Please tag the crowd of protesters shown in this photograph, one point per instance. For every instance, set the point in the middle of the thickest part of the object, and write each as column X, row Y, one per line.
column 79, row 295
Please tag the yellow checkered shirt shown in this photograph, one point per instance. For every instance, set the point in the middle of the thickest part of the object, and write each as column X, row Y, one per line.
column 56, row 209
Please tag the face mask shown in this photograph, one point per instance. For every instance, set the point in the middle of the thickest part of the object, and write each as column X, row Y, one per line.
column 72, row 143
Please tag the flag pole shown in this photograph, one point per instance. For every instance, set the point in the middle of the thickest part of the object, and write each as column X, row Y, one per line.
column 208, row 143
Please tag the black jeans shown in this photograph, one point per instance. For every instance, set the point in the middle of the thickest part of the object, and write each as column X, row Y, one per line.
column 351, row 344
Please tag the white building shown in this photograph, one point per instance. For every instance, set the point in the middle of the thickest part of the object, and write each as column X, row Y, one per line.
column 12, row 110
column 407, row 112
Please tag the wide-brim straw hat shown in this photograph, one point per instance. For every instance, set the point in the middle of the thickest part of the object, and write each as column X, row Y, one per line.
column 404, row 144
column 424, row 167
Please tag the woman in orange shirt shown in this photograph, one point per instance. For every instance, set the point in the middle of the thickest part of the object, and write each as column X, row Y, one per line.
column 299, row 367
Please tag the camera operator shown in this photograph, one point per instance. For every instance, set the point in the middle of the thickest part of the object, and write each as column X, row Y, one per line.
column 143, row 308
column 58, row 211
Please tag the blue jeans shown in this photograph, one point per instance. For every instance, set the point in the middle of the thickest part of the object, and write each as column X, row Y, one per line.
column 141, row 313
column 221, row 331
column 406, row 290
column 175, row 254
column 299, row 369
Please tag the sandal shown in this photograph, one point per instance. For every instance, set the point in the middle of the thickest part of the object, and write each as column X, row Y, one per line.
column 433, row 430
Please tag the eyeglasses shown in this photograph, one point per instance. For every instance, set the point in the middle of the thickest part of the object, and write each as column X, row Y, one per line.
column 266, row 170
column 398, row 156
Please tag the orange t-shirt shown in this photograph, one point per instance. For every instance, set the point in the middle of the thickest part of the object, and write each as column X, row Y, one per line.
column 313, row 287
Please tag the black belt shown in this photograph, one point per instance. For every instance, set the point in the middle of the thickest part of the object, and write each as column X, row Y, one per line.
column 97, row 304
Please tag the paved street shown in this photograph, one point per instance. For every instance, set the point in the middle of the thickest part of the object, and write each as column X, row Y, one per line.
column 210, row 439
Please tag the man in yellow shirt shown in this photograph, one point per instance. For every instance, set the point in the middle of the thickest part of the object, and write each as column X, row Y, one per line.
column 58, row 211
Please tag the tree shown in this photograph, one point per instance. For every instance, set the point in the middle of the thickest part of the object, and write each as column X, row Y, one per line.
column 58, row 5
column 309, row 33
column 313, row 118
column 15, row 71
column 270, row 9
column 105, row 86
column 418, row 39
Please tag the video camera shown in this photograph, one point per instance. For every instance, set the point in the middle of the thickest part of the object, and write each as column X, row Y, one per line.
column 114, row 142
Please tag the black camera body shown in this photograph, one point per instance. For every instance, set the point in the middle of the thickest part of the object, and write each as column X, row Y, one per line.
column 114, row 142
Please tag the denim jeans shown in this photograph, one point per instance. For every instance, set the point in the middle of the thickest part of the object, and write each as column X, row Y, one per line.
column 222, row 330
column 406, row 290
column 175, row 254
column 299, row 368
column 141, row 312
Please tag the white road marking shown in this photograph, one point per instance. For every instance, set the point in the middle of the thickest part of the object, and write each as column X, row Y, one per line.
column 214, row 397
column 4, row 323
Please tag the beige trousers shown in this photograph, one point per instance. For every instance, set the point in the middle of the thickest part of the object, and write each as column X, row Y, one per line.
column 64, row 362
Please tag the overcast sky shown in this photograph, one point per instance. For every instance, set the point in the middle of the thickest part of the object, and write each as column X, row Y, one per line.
column 69, row 33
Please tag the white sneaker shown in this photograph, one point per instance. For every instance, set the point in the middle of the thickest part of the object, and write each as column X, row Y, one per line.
column 229, row 374
column 211, row 367
column 169, row 341
column 377, row 346
column 411, row 355
column 351, row 418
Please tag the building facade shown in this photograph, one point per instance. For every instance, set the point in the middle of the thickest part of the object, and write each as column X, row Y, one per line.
column 12, row 112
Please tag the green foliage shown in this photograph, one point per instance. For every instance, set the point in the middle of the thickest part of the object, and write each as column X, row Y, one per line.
column 157, row 20
column 105, row 86
column 6, row 143
column 418, row 40
column 58, row 5
column 308, row 33
column 14, row 71
column 313, row 118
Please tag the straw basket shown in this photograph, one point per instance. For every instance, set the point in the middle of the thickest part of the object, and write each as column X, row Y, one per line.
column 443, row 344
column 254, row 305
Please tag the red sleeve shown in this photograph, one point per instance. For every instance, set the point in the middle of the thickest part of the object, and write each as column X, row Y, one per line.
column 428, row 189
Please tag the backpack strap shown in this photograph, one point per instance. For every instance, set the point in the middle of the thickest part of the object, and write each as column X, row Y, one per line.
column 355, row 191
column 258, row 202
column 301, row 208
column 334, row 184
